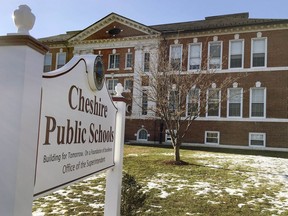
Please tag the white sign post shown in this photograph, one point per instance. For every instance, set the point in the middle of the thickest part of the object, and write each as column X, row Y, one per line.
column 21, row 60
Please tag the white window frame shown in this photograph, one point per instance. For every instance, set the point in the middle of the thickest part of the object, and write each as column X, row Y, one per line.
column 126, row 60
column 50, row 62
column 265, row 52
column 168, row 138
column 242, row 53
column 181, row 53
column 219, row 103
column 188, row 99
column 57, row 59
column 257, row 134
column 228, row 102
column 190, row 58
column 114, row 65
column 128, row 88
column 221, row 53
column 114, row 84
column 138, row 132
column 218, row 137
column 250, row 102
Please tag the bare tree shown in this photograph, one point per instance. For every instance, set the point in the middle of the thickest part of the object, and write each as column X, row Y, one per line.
column 180, row 96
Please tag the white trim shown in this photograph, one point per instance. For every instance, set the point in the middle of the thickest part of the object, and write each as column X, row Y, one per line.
column 219, row 103
column 199, row 100
column 119, row 75
column 251, row 53
column 125, row 86
column 250, row 103
column 244, row 70
column 219, row 119
column 181, row 57
column 137, row 137
column 241, row 106
column 242, row 52
column 257, row 133
column 114, row 68
column 188, row 60
column 57, row 59
column 218, row 137
column 126, row 54
column 221, row 53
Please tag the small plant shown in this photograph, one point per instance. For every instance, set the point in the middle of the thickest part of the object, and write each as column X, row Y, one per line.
column 132, row 198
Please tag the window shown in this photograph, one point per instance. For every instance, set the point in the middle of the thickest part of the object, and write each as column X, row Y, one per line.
column 111, row 83
column 113, row 61
column 142, row 135
column 213, row 106
column 129, row 60
column 168, row 136
column 176, row 56
column 236, row 54
column 194, row 56
column 215, row 55
column 144, row 103
column 128, row 84
column 259, row 52
column 257, row 139
column 235, row 102
column 193, row 102
column 47, row 62
column 146, row 62
column 173, row 102
column 61, row 59
column 212, row 137
column 257, row 102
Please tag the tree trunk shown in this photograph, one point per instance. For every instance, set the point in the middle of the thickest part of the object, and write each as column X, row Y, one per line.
column 177, row 153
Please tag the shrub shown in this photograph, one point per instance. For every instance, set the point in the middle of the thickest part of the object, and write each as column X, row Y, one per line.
column 132, row 198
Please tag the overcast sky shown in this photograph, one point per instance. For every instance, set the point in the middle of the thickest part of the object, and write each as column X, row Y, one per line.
column 58, row 16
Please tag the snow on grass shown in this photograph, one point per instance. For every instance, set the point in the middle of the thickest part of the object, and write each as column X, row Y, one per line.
column 266, row 174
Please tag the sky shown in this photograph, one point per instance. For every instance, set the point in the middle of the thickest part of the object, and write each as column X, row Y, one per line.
column 55, row 17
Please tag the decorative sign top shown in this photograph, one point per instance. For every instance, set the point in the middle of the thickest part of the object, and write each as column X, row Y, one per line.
column 77, row 125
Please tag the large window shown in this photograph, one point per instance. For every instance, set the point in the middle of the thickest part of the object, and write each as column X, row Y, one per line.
column 61, row 59
column 176, row 56
column 194, row 61
column 259, row 52
column 236, row 54
column 111, row 83
column 129, row 60
column 212, row 137
column 257, row 139
column 146, row 62
column 193, row 102
column 257, row 102
column 114, row 61
column 213, row 103
column 144, row 103
column 235, row 102
column 215, row 55
column 47, row 62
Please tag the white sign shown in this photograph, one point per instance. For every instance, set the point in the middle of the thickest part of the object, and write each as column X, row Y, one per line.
column 77, row 125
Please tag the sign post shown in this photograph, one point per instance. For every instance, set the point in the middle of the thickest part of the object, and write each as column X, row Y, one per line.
column 21, row 60
column 114, row 175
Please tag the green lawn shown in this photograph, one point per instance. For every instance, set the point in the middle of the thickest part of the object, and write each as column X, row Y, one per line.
column 212, row 184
